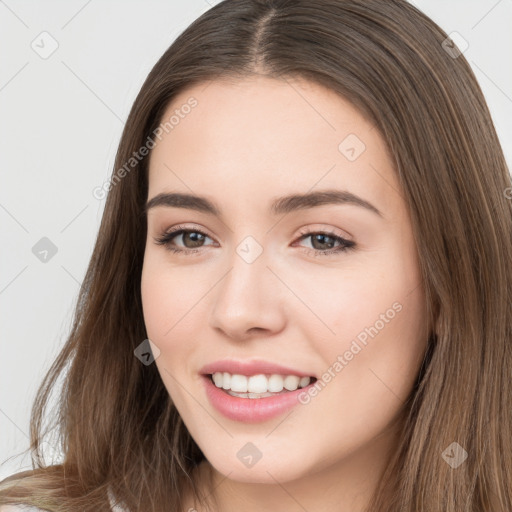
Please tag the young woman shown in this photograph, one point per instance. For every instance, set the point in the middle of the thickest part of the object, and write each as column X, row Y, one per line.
column 300, row 294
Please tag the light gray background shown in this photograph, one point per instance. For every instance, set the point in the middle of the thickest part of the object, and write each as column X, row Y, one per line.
column 61, row 121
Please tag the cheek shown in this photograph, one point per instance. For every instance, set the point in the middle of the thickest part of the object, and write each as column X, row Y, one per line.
column 372, row 323
column 170, row 306
column 158, row 300
column 344, row 302
column 380, row 344
column 168, row 295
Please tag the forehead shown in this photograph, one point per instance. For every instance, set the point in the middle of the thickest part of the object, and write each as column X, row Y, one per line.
column 265, row 137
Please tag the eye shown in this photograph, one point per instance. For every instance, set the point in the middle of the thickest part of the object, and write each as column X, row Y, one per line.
column 323, row 243
column 192, row 239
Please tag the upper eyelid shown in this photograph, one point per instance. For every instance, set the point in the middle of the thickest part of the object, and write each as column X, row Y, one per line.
column 180, row 228
column 306, row 230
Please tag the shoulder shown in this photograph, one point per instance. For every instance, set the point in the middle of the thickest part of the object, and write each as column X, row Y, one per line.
column 115, row 506
column 30, row 508
column 20, row 508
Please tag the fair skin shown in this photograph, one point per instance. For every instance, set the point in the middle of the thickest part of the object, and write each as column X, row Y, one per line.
column 245, row 144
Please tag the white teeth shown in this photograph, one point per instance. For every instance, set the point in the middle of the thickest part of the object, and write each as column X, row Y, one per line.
column 275, row 383
column 239, row 383
column 291, row 382
column 304, row 381
column 249, row 395
column 218, row 379
column 226, row 380
column 258, row 386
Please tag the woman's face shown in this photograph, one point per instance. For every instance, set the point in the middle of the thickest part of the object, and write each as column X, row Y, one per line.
column 321, row 286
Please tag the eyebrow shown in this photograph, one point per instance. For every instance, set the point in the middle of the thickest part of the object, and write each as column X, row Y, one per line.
column 279, row 206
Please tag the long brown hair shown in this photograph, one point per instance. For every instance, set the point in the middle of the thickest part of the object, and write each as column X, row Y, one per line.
column 116, row 423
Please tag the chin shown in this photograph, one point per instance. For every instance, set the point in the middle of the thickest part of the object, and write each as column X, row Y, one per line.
column 266, row 470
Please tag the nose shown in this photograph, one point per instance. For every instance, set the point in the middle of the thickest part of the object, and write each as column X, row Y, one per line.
column 249, row 300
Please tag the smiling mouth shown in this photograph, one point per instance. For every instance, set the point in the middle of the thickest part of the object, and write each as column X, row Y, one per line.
column 259, row 385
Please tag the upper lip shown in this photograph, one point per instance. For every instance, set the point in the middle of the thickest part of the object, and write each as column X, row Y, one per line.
column 253, row 367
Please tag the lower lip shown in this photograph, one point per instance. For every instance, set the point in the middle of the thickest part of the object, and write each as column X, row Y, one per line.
column 251, row 410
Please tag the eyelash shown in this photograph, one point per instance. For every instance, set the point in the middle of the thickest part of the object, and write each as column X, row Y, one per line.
column 346, row 245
